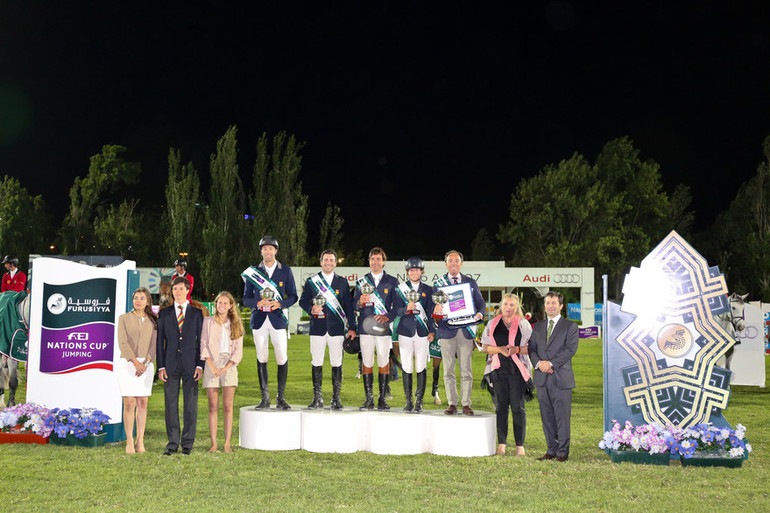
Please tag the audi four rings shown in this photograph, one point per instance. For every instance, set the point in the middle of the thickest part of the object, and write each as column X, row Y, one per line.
column 566, row 278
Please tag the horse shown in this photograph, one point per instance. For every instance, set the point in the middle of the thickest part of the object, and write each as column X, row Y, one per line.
column 733, row 322
column 9, row 367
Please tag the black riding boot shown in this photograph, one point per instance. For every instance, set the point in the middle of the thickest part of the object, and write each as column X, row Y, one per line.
column 336, row 386
column 280, row 402
column 422, row 379
column 262, row 373
column 382, row 382
column 318, row 398
column 407, row 378
column 368, row 380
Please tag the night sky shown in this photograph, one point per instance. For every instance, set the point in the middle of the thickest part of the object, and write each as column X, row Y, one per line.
column 400, row 104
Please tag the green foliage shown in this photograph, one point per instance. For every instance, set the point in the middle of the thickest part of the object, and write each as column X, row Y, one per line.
column 23, row 220
column 118, row 230
column 223, row 226
column 608, row 215
column 739, row 241
column 331, row 229
column 181, row 217
column 482, row 247
column 90, row 195
column 279, row 206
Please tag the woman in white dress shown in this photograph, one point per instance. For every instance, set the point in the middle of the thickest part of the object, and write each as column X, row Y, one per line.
column 137, row 334
column 222, row 350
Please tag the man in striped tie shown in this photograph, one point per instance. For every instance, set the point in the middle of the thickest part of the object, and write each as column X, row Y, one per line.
column 553, row 343
column 179, row 360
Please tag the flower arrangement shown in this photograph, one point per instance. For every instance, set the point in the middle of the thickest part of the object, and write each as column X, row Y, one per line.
column 707, row 439
column 700, row 440
column 651, row 438
column 26, row 417
column 76, row 421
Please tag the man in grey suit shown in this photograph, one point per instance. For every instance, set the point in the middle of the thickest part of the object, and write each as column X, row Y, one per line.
column 553, row 343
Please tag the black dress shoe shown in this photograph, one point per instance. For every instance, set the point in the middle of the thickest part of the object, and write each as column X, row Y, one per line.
column 168, row 452
column 185, row 450
column 561, row 458
column 546, row 456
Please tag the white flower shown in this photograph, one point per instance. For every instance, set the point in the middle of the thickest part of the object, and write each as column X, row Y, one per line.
column 748, row 447
column 736, row 451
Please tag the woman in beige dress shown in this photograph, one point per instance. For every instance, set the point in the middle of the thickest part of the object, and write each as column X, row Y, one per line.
column 137, row 333
column 222, row 350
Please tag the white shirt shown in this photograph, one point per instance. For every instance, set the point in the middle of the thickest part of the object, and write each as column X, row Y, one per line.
column 271, row 269
column 555, row 320
column 452, row 279
column 184, row 308
column 328, row 278
column 376, row 278
column 224, row 341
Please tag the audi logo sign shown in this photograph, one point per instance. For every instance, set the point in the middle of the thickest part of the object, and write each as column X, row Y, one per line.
column 556, row 279
column 566, row 278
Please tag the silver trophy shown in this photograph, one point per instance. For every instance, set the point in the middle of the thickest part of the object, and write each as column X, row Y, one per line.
column 367, row 289
column 413, row 297
column 267, row 294
column 440, row 298
column 319, row 300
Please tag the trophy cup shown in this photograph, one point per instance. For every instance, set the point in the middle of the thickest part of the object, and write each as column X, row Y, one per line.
column 413, row 297
column 440, row 298
column 366, row 289
column 319, row 300
column 267, row 294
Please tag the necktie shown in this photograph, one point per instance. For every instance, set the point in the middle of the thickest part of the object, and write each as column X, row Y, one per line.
column 548, row 333
column 180, row 318
column 454, row 280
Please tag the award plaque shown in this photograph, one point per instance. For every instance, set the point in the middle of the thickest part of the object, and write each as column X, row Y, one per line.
column 440, row 298
column 319, row 300
column 267, row 294
column 367, row 289
column 413, row 297
column 460, row 309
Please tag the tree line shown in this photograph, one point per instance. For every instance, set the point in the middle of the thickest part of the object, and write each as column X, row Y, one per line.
column 608, row 214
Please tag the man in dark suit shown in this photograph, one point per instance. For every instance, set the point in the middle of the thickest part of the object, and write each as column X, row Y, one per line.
column 377, row 304
column 326, row 297
column 268, row 320
column 179, row 359
column 553, row 343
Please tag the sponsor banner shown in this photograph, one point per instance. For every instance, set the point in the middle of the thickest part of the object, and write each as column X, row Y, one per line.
column 73, row 345
column 589, row 332
column 574, row 312
column 78, row 329
column 77, row 349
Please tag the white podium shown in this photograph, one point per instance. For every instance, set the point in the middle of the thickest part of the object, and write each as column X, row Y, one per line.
column 461, row 435
column 351, row 430
column 271, row 429
column 335, row 431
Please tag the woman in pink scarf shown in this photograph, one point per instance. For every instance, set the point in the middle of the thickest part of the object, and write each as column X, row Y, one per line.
column 505, row 340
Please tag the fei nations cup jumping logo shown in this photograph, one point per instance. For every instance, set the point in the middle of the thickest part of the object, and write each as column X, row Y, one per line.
column 78, row 331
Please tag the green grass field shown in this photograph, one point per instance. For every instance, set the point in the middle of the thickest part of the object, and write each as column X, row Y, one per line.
column 50, row 478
